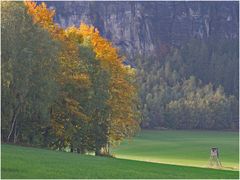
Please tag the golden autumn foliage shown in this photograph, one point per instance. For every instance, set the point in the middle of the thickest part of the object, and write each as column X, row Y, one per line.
column 122, row 100
column 44, row 17
column 123, row 93
column 69, row 73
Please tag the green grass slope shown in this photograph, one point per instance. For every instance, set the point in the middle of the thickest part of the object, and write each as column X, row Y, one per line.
column 25, row 162
column 191, row 148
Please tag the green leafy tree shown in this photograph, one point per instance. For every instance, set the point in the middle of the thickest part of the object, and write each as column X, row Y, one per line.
column 28, row 68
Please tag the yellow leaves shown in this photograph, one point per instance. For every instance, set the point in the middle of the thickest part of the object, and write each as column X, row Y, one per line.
column 74, row 35
column 44, row 17
column 122, row 91
column 88, row 31
column 103, row 48
column 40, row 13
column 130, row 71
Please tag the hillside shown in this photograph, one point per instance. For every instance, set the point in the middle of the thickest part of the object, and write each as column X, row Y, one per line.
column 185, row 54
column 142, row 27
column 23, row 162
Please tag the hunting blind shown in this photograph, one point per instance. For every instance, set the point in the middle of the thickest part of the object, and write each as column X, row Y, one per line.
column 214, row 158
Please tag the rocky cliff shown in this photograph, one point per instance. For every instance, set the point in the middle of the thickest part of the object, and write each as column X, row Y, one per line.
column 142, row 27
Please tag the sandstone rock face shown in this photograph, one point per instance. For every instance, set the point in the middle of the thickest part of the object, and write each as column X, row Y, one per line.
column 143, row 27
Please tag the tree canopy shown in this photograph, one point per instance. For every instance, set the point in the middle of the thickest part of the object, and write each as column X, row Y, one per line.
column 70, row 84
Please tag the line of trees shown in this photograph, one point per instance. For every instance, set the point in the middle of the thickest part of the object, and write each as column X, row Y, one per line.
column 63, row 88
column 191, row 87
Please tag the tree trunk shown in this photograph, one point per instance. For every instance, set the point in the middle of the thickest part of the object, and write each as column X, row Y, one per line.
column 107, row 148
column 13, row 126
column 14, row 119
column 98, row 151
column 15, row 133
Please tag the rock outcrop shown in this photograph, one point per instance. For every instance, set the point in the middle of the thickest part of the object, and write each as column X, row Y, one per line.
column 142, row 27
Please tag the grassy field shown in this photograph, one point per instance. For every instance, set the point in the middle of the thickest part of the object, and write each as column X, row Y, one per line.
column 25, row 162
column 191, row 148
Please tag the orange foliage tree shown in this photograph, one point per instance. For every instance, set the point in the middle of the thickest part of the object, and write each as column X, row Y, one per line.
column 123, row 99
column 96, row 89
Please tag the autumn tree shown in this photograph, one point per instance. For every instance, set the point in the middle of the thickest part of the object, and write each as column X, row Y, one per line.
column 121, row 114
column 97, row 101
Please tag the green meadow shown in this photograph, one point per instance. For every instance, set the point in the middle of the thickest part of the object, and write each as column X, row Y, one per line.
column 191, row 148
column 25, row 162
column 172, row 147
